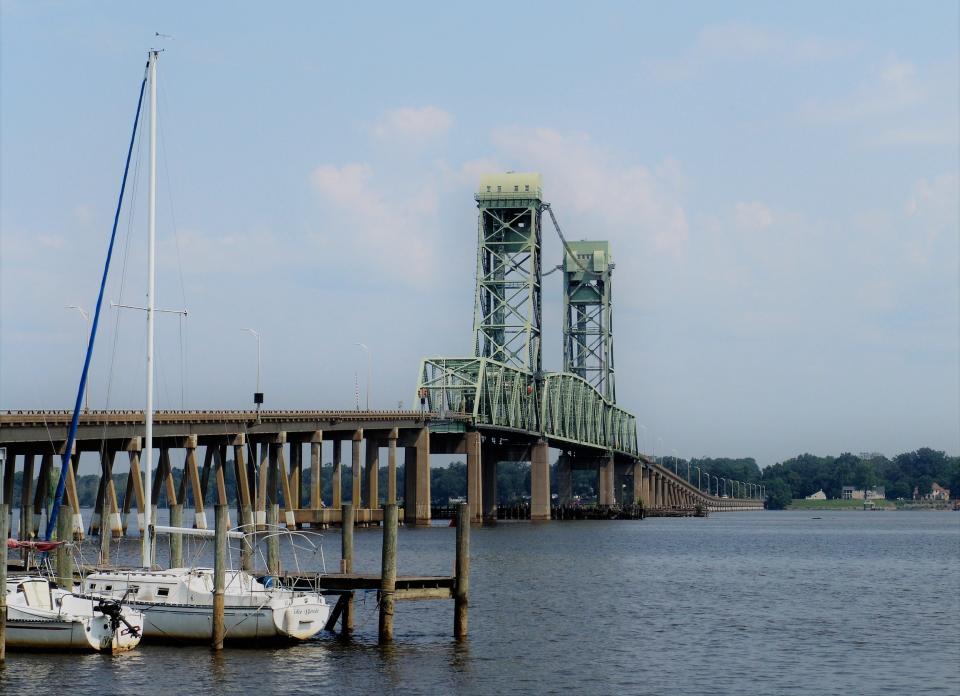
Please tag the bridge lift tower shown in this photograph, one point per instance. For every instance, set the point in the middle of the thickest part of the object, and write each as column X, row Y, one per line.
column 588, row 315
column 507, row 318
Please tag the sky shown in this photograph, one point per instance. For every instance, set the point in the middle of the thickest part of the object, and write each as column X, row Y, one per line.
column 778, row 182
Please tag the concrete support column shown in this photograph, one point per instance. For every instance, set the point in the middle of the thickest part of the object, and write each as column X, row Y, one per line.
column 355, row 460
column 540, row 481
column 337, row 482
column 316, row 469
column 638, row 497
column 602, row 486
column 373, row 473
column 474, row 486
column 564, row 479
column 392, row 467
column 606, row 481
column 488, row 476
column 409, row 485
column 423, row 477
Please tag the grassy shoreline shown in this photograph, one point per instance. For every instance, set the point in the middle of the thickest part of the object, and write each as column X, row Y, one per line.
column 857, row 505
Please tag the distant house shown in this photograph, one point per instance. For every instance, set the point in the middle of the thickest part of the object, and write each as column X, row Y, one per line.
column 852, row 493
column 938, row 492
column 819, row 495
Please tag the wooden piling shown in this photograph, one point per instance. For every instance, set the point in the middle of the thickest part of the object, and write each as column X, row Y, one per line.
column 65, row 535
column 176, row 540
column 246, row 548
column 273, row 539
column 388, row 572
column 219, row 573
column 346, row 560
column 3, row 582
column 462, row 585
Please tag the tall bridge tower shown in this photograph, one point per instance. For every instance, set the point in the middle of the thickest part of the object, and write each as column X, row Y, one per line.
column 507, row 313
column 588, row 315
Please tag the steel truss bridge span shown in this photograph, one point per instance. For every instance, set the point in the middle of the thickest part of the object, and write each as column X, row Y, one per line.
column 561, row 407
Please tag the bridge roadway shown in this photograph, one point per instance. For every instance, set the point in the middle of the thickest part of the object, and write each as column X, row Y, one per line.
column 268, row 461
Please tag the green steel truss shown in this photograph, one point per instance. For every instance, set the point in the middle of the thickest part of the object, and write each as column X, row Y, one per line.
column 588, row 315
column 563, row 408
column 507, row 309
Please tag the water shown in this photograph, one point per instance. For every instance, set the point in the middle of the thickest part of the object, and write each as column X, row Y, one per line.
column 738, row 603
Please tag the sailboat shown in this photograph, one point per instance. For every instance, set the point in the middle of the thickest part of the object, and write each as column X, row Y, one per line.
column 177, row 604
column 42, row 616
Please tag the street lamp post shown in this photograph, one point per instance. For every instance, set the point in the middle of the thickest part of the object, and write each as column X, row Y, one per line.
column 257, row 395
column 369, row 368
column 699, row 487
column 86, row 389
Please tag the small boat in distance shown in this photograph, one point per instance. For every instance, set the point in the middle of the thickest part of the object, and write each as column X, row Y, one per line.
column 42, row 616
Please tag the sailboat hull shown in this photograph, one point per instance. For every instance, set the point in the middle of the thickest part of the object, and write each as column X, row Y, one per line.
column 30, row 630
column 173, row 622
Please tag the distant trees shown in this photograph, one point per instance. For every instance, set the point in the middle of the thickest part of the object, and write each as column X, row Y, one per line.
column 919, row 469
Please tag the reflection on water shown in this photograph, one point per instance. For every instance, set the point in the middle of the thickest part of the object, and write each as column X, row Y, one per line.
column 750, row 603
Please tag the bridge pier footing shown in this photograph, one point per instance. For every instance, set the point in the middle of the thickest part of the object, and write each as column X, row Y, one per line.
column 540, row 481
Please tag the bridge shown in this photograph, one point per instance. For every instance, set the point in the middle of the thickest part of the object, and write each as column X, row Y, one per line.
column 493, row 406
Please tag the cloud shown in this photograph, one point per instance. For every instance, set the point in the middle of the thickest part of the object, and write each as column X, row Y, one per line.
column 933, row 208
column 738, row 42
column 586, row 183
column 894, row 87
column 413, row 124
column 899, row 104
column 753, row 216
column 395, row 230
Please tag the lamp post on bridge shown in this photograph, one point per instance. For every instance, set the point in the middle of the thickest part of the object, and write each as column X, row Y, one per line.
column 716, row 485
column 258, row 394
column 644, row 437
column 699, row 487
column 369, row 368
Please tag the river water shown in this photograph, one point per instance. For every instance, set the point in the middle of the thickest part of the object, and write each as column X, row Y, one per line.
column 737, row 603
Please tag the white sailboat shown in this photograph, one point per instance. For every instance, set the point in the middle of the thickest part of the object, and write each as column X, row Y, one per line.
column 177, row 604
column 42, row 616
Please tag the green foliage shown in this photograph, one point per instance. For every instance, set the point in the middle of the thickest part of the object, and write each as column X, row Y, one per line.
column 778, row 495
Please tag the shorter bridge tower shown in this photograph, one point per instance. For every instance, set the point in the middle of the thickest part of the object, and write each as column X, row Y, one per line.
column 588, row 315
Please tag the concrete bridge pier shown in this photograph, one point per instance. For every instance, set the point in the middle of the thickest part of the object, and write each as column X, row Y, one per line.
column 355, row 462
column 336, row 482
column 416, row 475
column 488, row 483
column 639, row 498
column 564, row 479
column 606, row 483
column 372, row 473
column 540, row 481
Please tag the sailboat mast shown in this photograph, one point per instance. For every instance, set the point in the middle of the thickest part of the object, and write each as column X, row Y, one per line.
column 151, row 282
